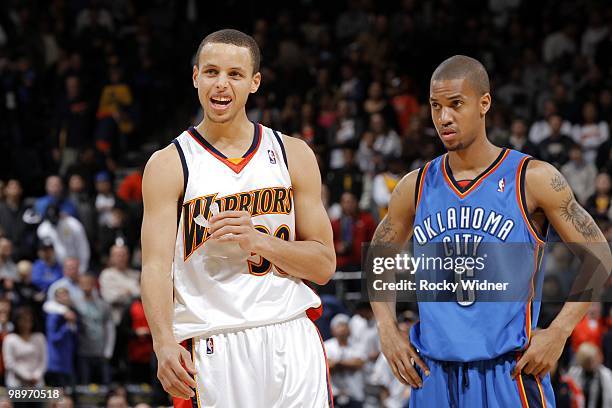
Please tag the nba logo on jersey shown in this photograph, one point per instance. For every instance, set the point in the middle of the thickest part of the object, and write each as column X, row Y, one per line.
column 210, row 346
column 501, row 185
column 272, row 157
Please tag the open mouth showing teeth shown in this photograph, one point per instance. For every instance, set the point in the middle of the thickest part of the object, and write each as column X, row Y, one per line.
column 220, row 101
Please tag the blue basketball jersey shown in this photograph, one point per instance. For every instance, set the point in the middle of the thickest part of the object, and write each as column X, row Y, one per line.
column 489, row 212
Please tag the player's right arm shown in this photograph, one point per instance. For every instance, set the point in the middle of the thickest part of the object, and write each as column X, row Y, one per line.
column 395, row 229
column 162, row 185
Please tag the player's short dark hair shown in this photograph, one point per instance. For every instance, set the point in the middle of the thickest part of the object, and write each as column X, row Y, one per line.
column 464, row 67
column 234, row 37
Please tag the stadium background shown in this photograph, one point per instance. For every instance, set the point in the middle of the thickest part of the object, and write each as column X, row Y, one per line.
column 89, row 89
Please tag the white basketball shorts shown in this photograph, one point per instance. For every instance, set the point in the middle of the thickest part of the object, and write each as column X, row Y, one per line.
column 281, row 365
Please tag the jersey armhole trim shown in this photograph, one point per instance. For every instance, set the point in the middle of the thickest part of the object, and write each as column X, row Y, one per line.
column 279, row 138
column 179, row 149
column 418, row 188
column 522, row 201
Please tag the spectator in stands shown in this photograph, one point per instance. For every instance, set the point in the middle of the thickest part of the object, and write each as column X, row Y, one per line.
column 386, row 140
column 73, row 122
column 404, row 102
column 70, row 281
column 348, row 178
column 96, row 334
column 591, row 132
column 541, row 129
column 580, row 174
column 345, row 360
column 592, row 377
column 105, row 198
column 560, row 43
column 343, row 133
column 394, row 394
column 567, row 393
column 63, row 402
column 377, row 103
column 67, row 234
column 383, row 185
column 11, row 216
column 598, row 204
column 8, row 269
column 119, row 231
column 46, row 269
column 119, row 283
column 518, row 138
column 135, row 331
column 28, row 293
column 117, row 401
column 365, row 335
column 61, row 341
column 590, row 329
column 130, row 189
column 366, row 154
column 24, row 353
column 554, row 149
column 6, row 327
column 78, row 194
column 115, row 114
column 55, row 189
column 351, row 230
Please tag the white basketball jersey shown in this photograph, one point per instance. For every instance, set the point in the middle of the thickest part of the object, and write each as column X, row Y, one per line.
column 213, row 294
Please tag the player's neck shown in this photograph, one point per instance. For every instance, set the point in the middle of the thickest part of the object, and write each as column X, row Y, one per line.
column 479, row 155
column 235, row 134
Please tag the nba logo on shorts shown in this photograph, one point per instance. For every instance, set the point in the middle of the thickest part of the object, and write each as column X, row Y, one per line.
column 272, row 157
column 210, row 346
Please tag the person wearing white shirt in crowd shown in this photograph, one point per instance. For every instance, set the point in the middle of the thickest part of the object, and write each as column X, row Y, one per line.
column 541, row 129
column 591, row 133
column 580, row 174
column 345, row 359
column 365, row 335
column 67, row 234
column 24, row 353
column 119, row 283
column 393, row 394
column 386, row 140
column 8, row 269
column 70, row 281
column 592, row 376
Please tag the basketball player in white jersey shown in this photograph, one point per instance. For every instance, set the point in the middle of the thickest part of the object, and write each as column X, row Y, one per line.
column 233, row 226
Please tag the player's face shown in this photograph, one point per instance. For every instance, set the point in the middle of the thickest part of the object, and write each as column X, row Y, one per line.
column 457, row 111
column 224, row 79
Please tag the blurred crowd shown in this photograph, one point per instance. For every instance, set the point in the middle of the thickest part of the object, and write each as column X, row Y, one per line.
column 89, row 88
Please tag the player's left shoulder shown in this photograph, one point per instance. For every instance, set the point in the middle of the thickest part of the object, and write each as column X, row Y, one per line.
column 544, row 182
column 299, row 154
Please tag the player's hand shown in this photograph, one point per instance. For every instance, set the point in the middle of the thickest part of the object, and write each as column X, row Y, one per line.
column 175, row 370
column 543, row 351
column 400, row 355
column 235, row 226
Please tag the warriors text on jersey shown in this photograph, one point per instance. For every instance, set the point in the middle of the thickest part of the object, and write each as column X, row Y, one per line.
column 211, row 295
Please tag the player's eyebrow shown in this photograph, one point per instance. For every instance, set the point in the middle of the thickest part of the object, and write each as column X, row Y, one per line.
column 456, row 96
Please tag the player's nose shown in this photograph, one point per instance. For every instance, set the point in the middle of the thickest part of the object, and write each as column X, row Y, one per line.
column 221, row 82
column 446, row 117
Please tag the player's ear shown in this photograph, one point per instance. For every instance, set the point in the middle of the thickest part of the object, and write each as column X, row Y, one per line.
column 485, row 103
column 195, row 76
column 255, row 82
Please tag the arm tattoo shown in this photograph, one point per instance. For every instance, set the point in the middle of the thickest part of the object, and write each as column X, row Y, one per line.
column 558, row 184
column 580, row 219
column 384, row 233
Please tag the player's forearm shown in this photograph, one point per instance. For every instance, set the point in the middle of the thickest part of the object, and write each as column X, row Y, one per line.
column 569, row 316
column 384, row 312
column 310, row 260
column 156, row 289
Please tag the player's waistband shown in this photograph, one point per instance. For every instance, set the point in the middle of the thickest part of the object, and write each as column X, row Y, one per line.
column 513, row 355
column 227, row 330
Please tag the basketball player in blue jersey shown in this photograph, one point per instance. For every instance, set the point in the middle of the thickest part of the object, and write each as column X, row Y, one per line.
column 486, row 354
column 224, row 275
